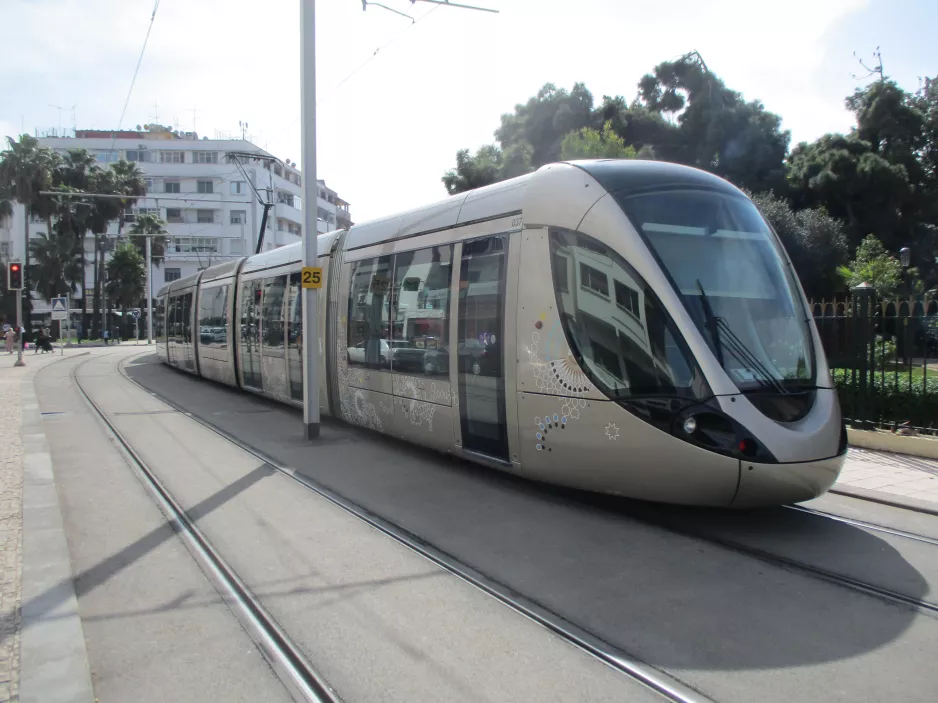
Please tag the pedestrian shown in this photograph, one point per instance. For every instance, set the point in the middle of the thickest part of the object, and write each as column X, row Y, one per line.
column 9, row 337
column 106, row 335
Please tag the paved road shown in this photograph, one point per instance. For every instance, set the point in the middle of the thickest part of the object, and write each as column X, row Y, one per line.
column 381, row 622
column 731, row 626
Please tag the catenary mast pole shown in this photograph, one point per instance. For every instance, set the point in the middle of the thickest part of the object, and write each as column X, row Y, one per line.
column 311, row 192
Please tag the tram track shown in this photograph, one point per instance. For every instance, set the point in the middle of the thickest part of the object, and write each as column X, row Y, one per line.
column 894, row 531
column 657, row 680
column 296, row 673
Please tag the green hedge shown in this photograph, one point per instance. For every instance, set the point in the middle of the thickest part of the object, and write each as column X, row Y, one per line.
column 886, row 404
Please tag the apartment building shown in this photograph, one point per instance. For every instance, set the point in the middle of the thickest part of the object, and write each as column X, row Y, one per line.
column 207, row 201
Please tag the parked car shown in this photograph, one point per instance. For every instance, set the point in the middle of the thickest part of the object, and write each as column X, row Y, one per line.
column 474, row 357
column 356, row 354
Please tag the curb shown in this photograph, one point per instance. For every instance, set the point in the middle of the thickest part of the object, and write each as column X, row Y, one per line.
column 894, row 444
column 53, row 660
column 908, row 503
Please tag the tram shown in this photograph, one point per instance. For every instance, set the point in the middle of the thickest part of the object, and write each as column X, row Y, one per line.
column 627, row 327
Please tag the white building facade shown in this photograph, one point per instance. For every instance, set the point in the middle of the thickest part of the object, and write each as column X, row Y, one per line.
column 195, row 186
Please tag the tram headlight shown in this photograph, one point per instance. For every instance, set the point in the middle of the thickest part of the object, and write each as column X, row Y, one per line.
column 690, row 425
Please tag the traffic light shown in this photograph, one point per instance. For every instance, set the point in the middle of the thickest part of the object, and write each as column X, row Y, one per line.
column 15, row 276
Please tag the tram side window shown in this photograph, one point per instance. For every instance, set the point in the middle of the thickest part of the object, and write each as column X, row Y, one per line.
column 272, row 317
column 627, row 343
column 250, row 354
column 368, row 313
column 213, row 318
column 295, row 337
column 170, row 319
column 158, row 318
column 420, row 311
column 186, row 318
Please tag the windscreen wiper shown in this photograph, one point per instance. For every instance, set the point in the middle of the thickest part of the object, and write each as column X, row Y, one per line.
column 734, row 345
column 711, row 322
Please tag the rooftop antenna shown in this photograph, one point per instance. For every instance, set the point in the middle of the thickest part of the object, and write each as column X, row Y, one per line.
column 243, row 126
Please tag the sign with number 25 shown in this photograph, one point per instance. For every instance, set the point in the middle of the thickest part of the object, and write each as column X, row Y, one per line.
column 311, row 277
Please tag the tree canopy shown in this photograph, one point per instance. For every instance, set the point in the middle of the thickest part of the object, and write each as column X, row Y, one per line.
column 824, row 197
column 126, row 276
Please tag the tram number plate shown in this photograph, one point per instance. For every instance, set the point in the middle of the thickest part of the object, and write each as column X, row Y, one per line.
column 311, row 277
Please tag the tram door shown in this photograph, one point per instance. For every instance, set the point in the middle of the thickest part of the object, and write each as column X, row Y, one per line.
column 480, row 347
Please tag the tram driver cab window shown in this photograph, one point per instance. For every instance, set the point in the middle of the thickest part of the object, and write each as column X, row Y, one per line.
column 620, row 333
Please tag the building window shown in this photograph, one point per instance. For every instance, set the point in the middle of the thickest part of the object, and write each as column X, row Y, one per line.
column 205, row 217
column 171, row 187
column 173, row 214
column 594, row 280
column 237, row 187
column 192, row 245
column 627, row 298
column 285, row 198
column 106, row 157
column 141, row 155
column 204, row 186
column 205, row 157
column 239, row 217
column 172, row 157
column 5, row 250
column 148, row 184
column 560, row 273
column 171, row 274
column 236, row 246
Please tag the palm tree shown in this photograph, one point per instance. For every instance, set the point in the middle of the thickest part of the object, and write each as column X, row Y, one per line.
column 123, row 178
column 153, row 226
column 126, row 276
column 78, row 171
column 56, row 263
column 26, row 169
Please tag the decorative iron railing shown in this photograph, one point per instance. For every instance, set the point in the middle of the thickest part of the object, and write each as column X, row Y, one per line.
column 883, row 355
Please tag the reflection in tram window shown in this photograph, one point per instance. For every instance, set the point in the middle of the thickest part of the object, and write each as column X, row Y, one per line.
column 420, row 310
column 628, row 345
column 213, row 318
column 272, row 317
column 295, row 337
column 479, row 346
column 159, row 319
column 250, row 332
column 368, row 313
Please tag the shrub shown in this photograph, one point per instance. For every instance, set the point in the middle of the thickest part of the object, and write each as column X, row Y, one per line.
column 916, row 403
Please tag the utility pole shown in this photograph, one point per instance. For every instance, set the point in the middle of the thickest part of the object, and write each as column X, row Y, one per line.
column 310, row 244
column 149, row 291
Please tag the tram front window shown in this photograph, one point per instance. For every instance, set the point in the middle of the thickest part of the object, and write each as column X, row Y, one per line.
column 729, row 270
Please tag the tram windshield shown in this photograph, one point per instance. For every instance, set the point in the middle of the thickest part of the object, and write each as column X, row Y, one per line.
column 728, row 268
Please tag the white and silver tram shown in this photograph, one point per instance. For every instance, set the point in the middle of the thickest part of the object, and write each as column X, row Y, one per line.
column 627, row 327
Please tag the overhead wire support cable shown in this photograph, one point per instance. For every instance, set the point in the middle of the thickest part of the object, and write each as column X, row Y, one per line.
column 156, row 6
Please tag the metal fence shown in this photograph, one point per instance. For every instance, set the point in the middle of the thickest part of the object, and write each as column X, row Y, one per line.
column 883, row 356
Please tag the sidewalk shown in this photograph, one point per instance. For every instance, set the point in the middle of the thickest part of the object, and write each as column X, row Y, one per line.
column 894, row 478
column 26, row 480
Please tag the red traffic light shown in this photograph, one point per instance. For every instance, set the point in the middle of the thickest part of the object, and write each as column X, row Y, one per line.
column 15, row 276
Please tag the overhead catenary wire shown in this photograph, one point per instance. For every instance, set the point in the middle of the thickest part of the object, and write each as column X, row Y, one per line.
column 362, row 65
column 120, row 122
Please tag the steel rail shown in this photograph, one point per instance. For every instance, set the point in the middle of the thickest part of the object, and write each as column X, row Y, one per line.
column 299, row 677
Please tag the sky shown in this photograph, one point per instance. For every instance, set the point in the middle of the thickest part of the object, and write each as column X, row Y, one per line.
column 397, row 99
